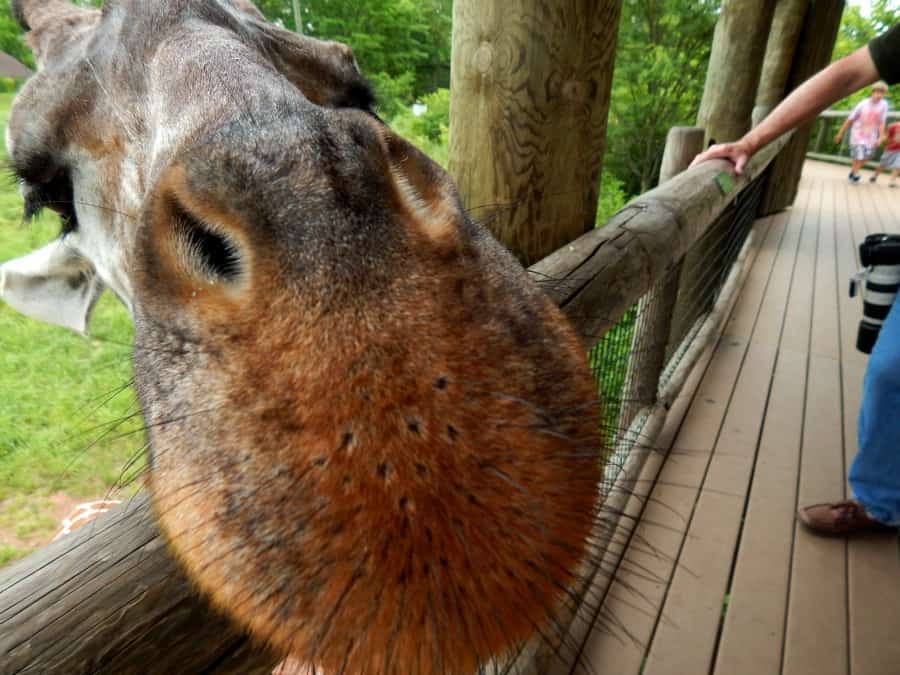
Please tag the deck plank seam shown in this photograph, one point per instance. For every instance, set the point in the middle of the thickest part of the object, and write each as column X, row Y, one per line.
column 748, row 342
column 790, row 570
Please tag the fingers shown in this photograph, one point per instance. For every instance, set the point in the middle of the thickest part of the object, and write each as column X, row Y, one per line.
column 714, row 152
column 733, row 152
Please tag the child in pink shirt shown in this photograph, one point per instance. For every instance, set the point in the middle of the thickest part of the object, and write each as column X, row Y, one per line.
column 868, row 119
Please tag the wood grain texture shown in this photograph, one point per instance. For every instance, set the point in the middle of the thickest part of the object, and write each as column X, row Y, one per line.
column 813, row 52
column 530, row 83
column 735, row 65
column 627, row 618
column 651, row 336
column 873, row 562
column 596, row 278
column 110, row 599
column 752, row 635
column 684, row 642
column 787, row 25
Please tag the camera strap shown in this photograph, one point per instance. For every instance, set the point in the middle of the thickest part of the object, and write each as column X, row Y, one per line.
column 858, row 278
column 880, row 281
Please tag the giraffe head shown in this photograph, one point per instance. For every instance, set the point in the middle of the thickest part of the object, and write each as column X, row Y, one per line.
column 372, row 438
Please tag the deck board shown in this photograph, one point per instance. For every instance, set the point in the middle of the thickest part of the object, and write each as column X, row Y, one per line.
column 686, row 642
column 771, row 425
column 631, row 609
column 751, row 641
column 816, row 632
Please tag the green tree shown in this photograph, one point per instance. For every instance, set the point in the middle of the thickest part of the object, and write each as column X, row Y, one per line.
column 11, row 39
column 857, row 31
column 402, row 45
column 661, row 64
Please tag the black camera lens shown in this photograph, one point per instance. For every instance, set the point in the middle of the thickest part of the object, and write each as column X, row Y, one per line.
column 880, row 257
column 865, row 338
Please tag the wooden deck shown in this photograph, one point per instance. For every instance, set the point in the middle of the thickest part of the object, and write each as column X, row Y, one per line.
column 718, row 577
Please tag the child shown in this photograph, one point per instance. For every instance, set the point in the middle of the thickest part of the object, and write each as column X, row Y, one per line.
column 868, row 119
column 890, row 160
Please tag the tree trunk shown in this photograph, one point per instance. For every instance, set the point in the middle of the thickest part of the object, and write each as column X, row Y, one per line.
column 814, row 48
column 110, row 599
column 298, row 18
column 787, row 25
column 735, row 64
column 530, row 91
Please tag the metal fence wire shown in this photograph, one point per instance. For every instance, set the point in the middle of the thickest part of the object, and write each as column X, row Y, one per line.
column 655, row 333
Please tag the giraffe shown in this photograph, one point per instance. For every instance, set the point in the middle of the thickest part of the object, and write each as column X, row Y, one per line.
column 373, row 440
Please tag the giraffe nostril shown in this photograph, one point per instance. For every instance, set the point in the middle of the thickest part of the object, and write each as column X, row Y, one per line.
column 214, row 254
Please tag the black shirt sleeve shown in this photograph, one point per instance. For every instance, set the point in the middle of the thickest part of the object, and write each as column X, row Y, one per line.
column 885, row 51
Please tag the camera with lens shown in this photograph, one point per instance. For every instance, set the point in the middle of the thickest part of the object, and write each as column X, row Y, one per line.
column 880, row 274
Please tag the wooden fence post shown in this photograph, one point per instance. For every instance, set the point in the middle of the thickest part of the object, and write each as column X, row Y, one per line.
column 651, row 335
column 814, row 48
column 735, row 64
column 787, row 25
column 530, row 92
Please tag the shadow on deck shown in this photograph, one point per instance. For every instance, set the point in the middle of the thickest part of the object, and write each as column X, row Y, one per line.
column 718, row 578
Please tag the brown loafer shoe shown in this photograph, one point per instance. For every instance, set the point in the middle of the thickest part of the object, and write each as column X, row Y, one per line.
column 839, row 519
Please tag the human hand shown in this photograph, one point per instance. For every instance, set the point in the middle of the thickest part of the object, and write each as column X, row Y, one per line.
column 837, row 138
column 738, row 153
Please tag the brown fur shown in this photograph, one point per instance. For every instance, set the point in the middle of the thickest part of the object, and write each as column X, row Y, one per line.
column 373, row 440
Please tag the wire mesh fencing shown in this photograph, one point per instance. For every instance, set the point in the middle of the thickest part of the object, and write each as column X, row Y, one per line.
column 638, row 355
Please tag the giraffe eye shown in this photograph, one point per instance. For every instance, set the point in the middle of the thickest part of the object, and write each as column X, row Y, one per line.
column 56, row 194
column 45, row 183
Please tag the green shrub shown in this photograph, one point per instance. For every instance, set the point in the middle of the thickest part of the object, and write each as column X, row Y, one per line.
column 393, row 94
column 612, row 197
column 408, row 126
column 435, row 122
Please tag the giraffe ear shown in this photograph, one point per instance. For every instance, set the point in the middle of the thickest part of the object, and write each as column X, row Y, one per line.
column 51, row 24
column 53, row 284
column 248, row 7
column 325, row 72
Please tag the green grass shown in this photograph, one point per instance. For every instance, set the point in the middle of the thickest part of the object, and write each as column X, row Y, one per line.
column 59, row 395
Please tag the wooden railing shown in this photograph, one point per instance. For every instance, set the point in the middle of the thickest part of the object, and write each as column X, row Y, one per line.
column 110, row 598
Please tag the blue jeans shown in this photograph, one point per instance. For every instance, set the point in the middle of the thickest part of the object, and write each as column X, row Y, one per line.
column 875, row 473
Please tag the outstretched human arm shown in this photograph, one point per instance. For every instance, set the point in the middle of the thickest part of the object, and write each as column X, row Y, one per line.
column 838, row 80
column 840, row 134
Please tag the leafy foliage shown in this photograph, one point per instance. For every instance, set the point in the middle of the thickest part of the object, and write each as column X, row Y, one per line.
column 403, row 46
column 661, row 64
column 435, row 122
column 612, row 197
column 857, row 31
column 13, row 43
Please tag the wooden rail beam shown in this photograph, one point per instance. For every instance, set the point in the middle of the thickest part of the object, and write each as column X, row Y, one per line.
column 651, row 336
column 597, row 277
column 110, row 599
